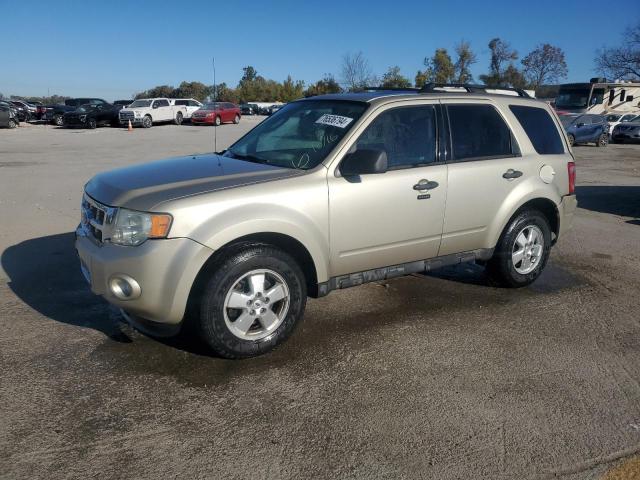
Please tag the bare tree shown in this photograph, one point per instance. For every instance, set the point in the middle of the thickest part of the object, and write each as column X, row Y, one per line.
column 621, row 62
column 356, row 71
column 466, row 58
column 501, row 54
column 545, row 64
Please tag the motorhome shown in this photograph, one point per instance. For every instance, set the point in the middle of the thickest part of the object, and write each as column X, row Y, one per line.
column 599, row 96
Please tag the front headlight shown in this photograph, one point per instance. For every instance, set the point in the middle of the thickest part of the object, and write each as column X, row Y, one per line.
column 83, row 118
column 137, row 114
column 133, row 228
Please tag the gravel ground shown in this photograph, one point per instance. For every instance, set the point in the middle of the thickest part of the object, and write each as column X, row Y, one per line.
column 435, row 377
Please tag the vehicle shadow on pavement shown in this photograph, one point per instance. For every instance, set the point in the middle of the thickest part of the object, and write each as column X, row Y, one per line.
column 616, row 200
column 45, row 274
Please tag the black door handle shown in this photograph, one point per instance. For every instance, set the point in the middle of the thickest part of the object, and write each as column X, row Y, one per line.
column 425, row 185
column 511, row 173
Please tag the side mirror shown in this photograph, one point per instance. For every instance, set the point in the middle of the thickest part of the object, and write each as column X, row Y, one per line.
column 363, row 162
column 155, row 105
column 579, row 125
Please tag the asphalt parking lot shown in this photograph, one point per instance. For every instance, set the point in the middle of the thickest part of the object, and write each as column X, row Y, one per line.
column 436, row 377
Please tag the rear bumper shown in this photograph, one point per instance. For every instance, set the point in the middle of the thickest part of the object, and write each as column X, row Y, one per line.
column 163, row 269
column 566, row 210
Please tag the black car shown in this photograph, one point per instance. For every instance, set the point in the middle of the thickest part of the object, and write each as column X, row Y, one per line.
column 26, row 111
column 247, row 109
column 92, row 116
column 55, row 113
column 8, row 117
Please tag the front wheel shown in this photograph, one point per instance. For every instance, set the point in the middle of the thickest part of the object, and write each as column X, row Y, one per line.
column 91, row 123
column 178, row 119
column 252, row 302
column 522, row 251
column 147, row 122
column 603, row 140
column 58, row 120
column 12, row 123
column 236, row 119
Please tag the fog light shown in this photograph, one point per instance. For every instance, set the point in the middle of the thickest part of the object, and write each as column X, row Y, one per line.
column 124, row 287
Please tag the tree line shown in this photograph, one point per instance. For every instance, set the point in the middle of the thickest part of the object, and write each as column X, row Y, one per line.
column 539, row 70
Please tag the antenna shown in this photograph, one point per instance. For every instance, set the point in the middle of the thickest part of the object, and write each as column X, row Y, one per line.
column 215, row 100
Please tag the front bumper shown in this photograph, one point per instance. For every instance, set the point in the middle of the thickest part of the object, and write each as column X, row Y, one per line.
column 567, row 210
column 165, row 271
column 206, row 120
column 134, row 120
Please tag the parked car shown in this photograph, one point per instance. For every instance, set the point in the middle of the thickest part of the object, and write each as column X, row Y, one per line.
column 217, row 113
column 332, row 192
column 247, row 109
column 627, row 132
column 28, row 111
column 23, row 112
column 55, row 113
column 273, row 109
column 11, row 107
column 149, row 111
column 190, row 105
column 586, row 128
column 123, row 103
column 614, row 119
column 8, row 117
column 92, row 116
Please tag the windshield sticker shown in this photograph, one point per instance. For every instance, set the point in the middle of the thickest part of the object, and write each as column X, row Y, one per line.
column 334, row 120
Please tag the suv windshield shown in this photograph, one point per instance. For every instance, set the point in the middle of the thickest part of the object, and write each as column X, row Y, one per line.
column 140, row 103
column 300, row 135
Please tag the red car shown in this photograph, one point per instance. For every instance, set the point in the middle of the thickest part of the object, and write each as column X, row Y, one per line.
column 217, row 113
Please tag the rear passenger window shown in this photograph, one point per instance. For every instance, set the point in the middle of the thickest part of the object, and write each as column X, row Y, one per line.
column 479, row 131
column 181, row 102
column 407, row 134
column 540, row 128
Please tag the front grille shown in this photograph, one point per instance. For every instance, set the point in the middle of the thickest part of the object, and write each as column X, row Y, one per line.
column 94, row 217
column 127, row 115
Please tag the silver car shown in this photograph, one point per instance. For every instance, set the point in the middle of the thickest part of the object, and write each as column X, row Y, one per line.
column 332, row 192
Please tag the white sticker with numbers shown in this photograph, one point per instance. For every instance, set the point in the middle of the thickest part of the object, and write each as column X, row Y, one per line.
column 334, row 120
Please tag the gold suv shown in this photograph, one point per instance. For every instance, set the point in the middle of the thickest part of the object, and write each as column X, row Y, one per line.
column 330, row 192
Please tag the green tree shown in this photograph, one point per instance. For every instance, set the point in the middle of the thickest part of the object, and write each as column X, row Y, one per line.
column 394, row 79
column 462, row 67
column 159, row 91
column 196, row 90
column 223, row 93
column 438, row 69
column 291, row 90
column 326, row 85
column 545, row 64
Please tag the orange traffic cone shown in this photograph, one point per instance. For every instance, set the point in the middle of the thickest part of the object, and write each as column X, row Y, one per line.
column 130, row 127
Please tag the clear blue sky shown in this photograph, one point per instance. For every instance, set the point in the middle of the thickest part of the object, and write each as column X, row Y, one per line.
column 114, row 48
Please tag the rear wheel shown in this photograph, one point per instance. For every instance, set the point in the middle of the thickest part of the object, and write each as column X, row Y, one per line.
column 522, row 251
column 58, row 120
column 236, row 119
column 252, row 302
column 603, row 141
column 218, row 121
column 572, row 140
column 147, row 122
column 179, row 118
column 12, row 123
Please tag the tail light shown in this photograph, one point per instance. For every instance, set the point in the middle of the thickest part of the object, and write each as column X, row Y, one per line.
column 571, row 169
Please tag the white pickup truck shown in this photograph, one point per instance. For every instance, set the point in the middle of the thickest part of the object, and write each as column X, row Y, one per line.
column 147, row 111
column 191, row 105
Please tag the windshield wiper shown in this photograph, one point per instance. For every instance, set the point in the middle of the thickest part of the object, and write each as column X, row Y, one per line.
column 248, row 158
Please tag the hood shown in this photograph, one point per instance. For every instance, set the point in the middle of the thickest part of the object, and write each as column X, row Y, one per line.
column 141, row 187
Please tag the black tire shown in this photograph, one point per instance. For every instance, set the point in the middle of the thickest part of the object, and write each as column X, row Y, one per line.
column 236, row 119
column 12, row 123
column 603, row 141
column 218, row 121
column 246, row 258
column 179, row 118
column 572, row 140
column 147, row 122
column 92, row 124
column 58, row 120
column 501, row 269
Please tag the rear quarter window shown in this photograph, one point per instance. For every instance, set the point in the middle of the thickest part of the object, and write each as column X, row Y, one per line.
column 540, row 128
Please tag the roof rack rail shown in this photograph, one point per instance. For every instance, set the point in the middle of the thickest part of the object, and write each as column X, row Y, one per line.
column 390, row 89
column 470, row 88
